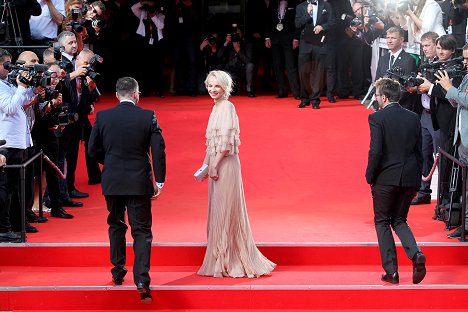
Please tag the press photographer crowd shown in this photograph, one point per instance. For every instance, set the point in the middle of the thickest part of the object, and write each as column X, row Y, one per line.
column 67, row 51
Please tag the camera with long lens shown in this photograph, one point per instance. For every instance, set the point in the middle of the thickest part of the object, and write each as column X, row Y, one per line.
column 38, row 73
column 454, row 68
column 235, row 37
column 372, row 16
column 398, row 74
column 356, row 22
column 62, row 117
column 74, row 23
column 91, row 73
column 212, row 40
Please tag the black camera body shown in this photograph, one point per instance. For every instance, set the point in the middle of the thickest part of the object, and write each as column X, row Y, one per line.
column 91, row 73
column 212, row 40
column 398, row 74
column 40, row 76
column 454, row 68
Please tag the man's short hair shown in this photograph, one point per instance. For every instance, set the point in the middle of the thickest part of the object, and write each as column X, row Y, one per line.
column 100, row 5
column 64, row 34
column 3, row 54
column 395, row 29
column 465, row 47
column 125, row 86
column 430, row 35
column 447, row 42
column 388, row 87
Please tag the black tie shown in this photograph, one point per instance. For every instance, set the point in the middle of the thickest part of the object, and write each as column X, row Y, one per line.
column 392, row 60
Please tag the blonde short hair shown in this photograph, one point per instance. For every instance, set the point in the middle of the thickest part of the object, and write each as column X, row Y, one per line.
column 224, row 80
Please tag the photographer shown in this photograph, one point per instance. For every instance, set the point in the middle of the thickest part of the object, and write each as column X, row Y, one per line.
column 74, row 21
column 208, row 59
column 443, row 114
column 362, row 31
column 236, row 56
column 427, row 16
column 458, row 98
column 15, row 128
column 150, row 43
column 44, row 28
column 79, row 95
column 94, row 22
column 430, row 137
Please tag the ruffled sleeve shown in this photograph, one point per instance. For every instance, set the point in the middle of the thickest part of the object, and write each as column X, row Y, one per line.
column 223, row 131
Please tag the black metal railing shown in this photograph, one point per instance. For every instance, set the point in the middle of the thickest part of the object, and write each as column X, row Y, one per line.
column 22, row 171
column 463, row 197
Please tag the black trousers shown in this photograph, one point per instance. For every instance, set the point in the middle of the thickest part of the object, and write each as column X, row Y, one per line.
column 4, row 213
column 285, row 57
column 140, row 220
column 391, row 206
column 311, row 71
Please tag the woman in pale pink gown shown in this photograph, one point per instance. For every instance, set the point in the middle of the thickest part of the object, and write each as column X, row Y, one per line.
column 231, row 250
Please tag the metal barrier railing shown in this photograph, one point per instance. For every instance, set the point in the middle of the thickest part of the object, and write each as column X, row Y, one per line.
column 463, row 197
column 22, row 170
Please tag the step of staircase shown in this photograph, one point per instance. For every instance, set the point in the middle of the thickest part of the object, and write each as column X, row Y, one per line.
column 308, row 276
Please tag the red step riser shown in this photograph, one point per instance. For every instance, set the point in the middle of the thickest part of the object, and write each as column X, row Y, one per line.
column 75, row 256
column 383, row 298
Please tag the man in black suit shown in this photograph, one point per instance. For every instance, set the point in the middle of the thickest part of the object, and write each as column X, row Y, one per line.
column 283, row 40
column 394, row 172
column 121, row 140
column 314, row 19
column 397, row 57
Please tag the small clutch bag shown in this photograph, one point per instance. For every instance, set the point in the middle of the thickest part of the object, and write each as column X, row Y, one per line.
column 201, row 173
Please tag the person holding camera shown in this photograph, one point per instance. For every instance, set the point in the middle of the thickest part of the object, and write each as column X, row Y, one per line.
column 458, row 98
column 79, row 94
column 430, row 137
column 208, row 59
column 150, row 43
column 44, row 28
column 427, row 16
column 443, row 114
column 15, row 128
column 236, row 55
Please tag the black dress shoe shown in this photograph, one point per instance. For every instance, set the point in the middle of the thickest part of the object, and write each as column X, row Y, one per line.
column 30, row 229
column 331, row 99
column 419, row 267
column 60, row 213
column 145, row 293
column 315, row 105
column 281, row 96
column 297, row 97
column 391, row 278
column 78, row 194
column 33, row 218
column 251, row 94
column 117, row 280
column 70, row 203
column 424, row 200
column 10, row 237
column 303, row 104
column 456, row 233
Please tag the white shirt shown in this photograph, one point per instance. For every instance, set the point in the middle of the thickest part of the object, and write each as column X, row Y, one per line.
column 431, row 18
column 395, row 57
column 43, row 26
column 14, row 123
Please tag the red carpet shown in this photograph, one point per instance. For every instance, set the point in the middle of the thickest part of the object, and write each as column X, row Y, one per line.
column 310, row 211
column 303, row 174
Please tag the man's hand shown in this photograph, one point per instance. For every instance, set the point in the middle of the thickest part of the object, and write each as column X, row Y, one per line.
column 56, row 102
column 204, row 43
column 91, row 83
column 157, row 192
column 295, row 44
column 310, row 8
column 2, row 160
column 425, row 86
column 444, row 80
column 25, row 75
column 318, row 29
column 268, row 43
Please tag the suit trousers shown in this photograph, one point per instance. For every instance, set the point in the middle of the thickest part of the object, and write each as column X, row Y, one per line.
column 140, row 220
column 311, row 71
column 391, row 206
column 430, row 144
column 284, row 56
column 463, row 156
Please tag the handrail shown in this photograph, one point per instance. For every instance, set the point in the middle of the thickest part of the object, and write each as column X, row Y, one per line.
column 463, row 201
column 22, row 169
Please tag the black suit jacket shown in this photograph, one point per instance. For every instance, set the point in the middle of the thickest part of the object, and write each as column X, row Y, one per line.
column 407, row 63
column 325, row 18
column 289, row 31
column 121, row 140
column 395, row 155
column 442, row 112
